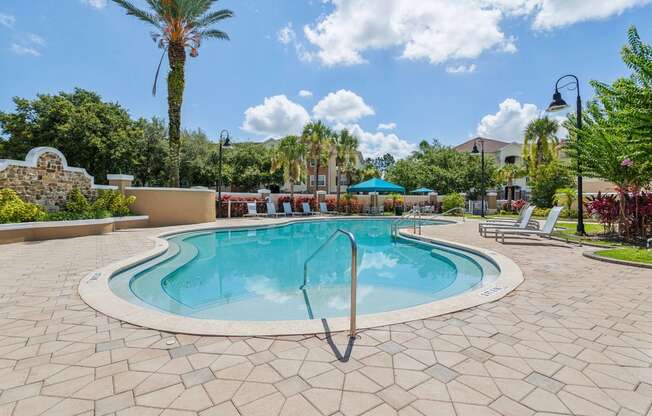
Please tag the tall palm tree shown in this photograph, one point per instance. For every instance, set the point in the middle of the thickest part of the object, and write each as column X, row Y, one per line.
column 316, row 138
column 507, row 174
column 179, row 25
column 288, row 156
column 346, row 155
column 540, row 144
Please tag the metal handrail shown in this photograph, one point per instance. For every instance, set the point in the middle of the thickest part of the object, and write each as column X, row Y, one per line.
column 414, row 214
column 455, row 209
column 354, row 272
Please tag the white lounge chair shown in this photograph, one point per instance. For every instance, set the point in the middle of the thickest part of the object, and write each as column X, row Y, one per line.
column 523, row 224
column 307, row 210
column 323, row 208
column 546, row 231
column 271, row 210
column 252, row 211
column 287, row 209
column 518, row 219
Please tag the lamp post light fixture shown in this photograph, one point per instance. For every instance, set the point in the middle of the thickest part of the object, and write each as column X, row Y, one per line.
column 480, row 152
column 559, row 104
column 224, row 142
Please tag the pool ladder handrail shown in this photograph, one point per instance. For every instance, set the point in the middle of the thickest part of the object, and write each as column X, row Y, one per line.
column 354, row 273
column 415, row 214
column 455, row 209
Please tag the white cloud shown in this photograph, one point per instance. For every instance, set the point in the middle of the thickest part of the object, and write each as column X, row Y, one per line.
column 461, row 69
column 7, row 20
column 286, row 34
column 97, row 4
column 305, row 93
column 343, row 106
column 35, row 39
column 24, row 50
column 377, row 144
column 276, row 117
column 511, row 120
column 386, row 126
column 439, row 30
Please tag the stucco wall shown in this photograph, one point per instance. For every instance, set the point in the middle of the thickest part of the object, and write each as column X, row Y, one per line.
column 44, row 178
column 173, row 206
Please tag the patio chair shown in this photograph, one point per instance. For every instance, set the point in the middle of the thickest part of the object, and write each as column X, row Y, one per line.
column 524, row 223
column 252, row 211
column 271, row 210
column 323, row 208
column 506, row 221
column 546, row 231
column 287, row 210
column 307, row 210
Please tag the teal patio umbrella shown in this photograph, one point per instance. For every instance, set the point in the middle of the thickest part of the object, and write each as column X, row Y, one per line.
column 376, row 185
column 422, row 191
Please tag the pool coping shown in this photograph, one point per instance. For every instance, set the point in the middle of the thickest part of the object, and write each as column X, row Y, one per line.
column 95, row 291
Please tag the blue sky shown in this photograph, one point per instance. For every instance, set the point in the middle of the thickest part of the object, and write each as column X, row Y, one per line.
column 393, row 71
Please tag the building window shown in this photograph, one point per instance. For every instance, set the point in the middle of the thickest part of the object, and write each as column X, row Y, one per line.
column 313, row 163
column 510, row 160
column 344, row 180
column 312, row 180
column 322, row 180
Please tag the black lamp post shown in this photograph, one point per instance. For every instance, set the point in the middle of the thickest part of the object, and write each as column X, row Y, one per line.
column 225, row 141
column 482, row 187
column 559, row 104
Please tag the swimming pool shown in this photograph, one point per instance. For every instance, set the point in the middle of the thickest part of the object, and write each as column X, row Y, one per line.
column 256, row 274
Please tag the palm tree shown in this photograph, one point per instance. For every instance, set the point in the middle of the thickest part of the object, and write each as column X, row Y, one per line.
column 507, row 174
column 179, row 24
column 540, row 144
column 316, row 138
column 288, row 156
column 346, row 156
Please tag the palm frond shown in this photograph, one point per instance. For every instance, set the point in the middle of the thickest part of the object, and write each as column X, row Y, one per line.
column 158, row 70
column 214, row 34
column 212, row 18
column 140, row 14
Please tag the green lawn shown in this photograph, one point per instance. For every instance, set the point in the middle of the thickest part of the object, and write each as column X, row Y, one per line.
column 638, row 255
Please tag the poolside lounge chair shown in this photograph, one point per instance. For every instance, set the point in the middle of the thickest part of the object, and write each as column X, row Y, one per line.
column 524, row 223
column 323, row 208
column 287, row 210
column 307, row 210
column 252, row 211
column 546, row 231
column 271, row 210
column 518, row 219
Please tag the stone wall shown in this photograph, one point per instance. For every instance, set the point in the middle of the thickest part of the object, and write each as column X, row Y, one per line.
column 45, row 178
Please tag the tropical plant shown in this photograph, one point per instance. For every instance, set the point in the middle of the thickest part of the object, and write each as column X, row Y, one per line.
column 317, row 138
column 346, row 156
column 76, row 202
column 565, row 197
column 180, row 25
column 114, row 201
column 453, row 200
column 14, row 209
column 540, row 143
column 288, row 157
column 545, row 181
column 507, row 174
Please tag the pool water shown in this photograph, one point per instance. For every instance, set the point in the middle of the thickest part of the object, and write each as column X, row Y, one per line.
column 257, row 274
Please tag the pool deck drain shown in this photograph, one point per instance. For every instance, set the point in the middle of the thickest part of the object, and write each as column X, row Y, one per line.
column 574, row 338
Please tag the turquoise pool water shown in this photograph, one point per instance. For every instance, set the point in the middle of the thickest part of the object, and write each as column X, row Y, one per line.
column 256, row 274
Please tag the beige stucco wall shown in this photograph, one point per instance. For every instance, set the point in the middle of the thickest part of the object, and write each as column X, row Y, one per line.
column 173, row 206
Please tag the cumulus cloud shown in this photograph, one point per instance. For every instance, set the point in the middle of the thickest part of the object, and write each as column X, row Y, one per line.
column 7, row 20
column 439, row 30
column 511, row 120
column 277, row 116
column 97, row 4
column 461, row 69
column 377, row 144
column 387, row 126
column 305, row 93
column 24, row 50
column 343, row 106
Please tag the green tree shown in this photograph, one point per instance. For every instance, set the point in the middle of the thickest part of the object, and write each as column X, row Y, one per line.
column 248, row 166
column 317, row 139
column 288, row 157
column 91, row 133
column 180, row 24
column 346, row 155
column 565, row 197
column 540, row 143
column 546, row 180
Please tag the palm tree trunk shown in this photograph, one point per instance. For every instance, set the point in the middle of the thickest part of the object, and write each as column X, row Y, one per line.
column 337, row 184
column 292, row 193
column 316, row 182
column 176, row 85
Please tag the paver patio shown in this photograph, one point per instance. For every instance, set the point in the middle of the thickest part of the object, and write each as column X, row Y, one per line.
column 574, row 338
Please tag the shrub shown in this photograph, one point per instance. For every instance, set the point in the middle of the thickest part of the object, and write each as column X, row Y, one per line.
column 547, row 180
column 541, row 212
column 14, row 209
column 518, row 205
column 451, row 201
column 113, row 202
column 76, row 202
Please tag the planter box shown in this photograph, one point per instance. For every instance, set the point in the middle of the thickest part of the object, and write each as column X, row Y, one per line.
column 48, row 230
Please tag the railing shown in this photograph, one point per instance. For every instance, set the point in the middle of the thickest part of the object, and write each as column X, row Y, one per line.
column 453, row 210
column 416, row 223
column 354, row 273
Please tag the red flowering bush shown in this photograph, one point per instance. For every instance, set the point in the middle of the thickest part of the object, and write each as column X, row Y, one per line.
column 239, row 205
column 518, row 204
column 629, row 214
